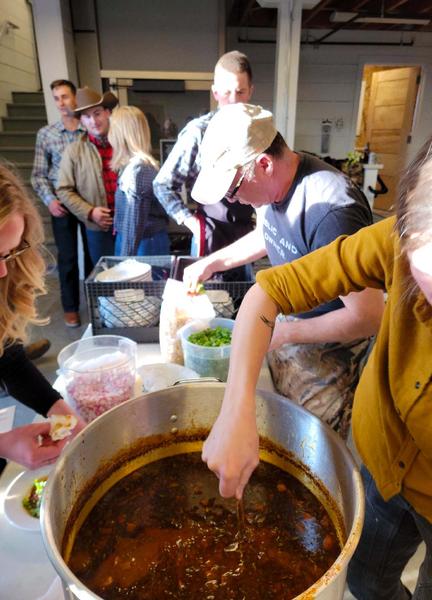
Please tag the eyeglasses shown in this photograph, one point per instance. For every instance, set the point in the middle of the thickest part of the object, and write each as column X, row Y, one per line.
column 230, row 195
column 14, row 253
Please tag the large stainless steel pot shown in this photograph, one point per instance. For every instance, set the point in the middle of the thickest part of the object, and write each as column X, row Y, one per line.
column 185, row 408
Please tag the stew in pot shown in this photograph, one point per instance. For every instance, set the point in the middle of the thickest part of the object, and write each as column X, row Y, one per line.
column 163, row 532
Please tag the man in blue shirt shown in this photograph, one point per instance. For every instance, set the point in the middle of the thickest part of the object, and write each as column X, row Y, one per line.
column 302, row 204
column 50, row 144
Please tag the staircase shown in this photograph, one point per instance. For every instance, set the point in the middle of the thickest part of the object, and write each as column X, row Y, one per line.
column 26, row 114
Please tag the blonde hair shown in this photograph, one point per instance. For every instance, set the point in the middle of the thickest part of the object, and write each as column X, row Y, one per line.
column 25, row 278
column 414, row 206
column 129, row 135
column 414, row 212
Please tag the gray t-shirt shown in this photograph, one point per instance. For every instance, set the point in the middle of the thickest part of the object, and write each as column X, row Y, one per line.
column 321, row 205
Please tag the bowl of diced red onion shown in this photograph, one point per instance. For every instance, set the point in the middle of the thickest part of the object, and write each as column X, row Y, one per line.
column 98, row 373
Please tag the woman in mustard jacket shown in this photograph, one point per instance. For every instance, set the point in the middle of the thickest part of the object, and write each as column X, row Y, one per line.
column 392, row 415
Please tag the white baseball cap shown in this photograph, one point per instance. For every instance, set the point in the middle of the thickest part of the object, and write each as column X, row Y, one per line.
column 235, row 136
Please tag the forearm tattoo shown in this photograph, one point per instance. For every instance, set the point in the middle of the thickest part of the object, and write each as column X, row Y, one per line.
column 267, row 322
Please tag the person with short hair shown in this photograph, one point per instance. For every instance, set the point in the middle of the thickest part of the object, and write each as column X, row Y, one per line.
column 392, row 406
column 22, row 268
column 51, row 142
column 302, row 204
column 140, row 222
column 86, row 182
column 215, row 226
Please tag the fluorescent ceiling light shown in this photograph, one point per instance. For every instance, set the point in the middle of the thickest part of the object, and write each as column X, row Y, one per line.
column 344, row 17
column 393, row 20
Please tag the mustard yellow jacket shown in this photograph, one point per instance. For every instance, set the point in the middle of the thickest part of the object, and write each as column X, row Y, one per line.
column 392, row 415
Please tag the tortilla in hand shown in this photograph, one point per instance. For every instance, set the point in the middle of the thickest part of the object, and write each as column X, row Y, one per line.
column 61, row 426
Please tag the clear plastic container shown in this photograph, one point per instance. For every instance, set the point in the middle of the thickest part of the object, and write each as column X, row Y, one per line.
column 205, row 360
column 99, row 373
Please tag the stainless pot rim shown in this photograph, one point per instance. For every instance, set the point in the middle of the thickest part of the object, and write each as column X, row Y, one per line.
column 80, row 591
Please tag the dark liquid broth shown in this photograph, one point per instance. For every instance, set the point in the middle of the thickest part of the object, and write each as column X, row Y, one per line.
column 164, row 532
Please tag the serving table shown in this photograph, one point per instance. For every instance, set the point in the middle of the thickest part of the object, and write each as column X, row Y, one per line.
column 25, row 571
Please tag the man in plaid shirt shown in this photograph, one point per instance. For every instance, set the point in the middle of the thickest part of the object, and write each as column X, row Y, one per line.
column 219, row 225
column 51, row 142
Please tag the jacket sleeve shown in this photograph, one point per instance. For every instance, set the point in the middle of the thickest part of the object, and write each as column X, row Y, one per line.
column 66, row 187
column 349, row 264
column 24, row 381
column 39, row 177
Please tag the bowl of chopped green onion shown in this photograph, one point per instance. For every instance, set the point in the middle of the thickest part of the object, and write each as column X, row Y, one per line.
column 207, row 346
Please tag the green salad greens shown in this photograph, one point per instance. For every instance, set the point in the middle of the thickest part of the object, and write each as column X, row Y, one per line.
column 32, row 501
column 219, row 336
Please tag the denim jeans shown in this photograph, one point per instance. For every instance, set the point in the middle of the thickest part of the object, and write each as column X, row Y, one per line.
column 100, row 243
column 65, row 230
column 391, row 534
column 157, row 244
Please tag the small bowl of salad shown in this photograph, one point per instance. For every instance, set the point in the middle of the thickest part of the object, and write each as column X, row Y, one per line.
column 207, row 346
column 23, row 498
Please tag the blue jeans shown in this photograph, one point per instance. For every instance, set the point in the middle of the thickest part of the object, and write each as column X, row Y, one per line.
column 391, row 534
column 157, row 244
column 100, row 243
column 65, row 230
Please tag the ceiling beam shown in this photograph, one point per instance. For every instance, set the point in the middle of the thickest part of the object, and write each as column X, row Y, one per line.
column 312, row 13
column 395, row 5
column 359, row 5
column 425, row 9
column 336, row 29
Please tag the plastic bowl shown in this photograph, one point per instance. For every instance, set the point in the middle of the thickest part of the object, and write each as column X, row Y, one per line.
column 207, row 361
column 99, row 373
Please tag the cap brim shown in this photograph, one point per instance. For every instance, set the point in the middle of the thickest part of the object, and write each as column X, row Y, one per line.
column 212, row 184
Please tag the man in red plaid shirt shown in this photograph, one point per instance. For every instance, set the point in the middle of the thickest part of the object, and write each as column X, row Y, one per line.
column 86, row 183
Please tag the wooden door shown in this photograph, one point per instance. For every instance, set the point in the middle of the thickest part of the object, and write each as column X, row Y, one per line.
column 389, row 120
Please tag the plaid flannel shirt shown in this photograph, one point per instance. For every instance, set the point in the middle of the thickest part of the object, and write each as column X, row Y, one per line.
column 138, row 214
column 108, row 175
column 181, row 167
column 50, row 144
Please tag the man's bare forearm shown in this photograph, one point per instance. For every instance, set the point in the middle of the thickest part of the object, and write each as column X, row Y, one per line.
column 359, row 318
column 241, row 252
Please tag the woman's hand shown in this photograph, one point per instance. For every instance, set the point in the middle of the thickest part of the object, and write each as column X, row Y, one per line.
column 231, row 450
column 31, row 445
column 63, row 408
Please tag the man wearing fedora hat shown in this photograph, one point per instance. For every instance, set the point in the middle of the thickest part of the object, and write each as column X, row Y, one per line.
column 302, row 204
column 86, row 183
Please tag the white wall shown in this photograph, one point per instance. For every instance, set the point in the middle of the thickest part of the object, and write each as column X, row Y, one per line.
column 86, row 44
column 262, row 56
column 55, row 46
column 18, row 66
column 158, row 36
column 330, row 81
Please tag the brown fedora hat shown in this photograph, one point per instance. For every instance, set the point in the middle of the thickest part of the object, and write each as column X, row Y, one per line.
column 88, row 98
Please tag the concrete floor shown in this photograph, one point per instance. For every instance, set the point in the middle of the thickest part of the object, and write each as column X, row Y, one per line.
column 60, row 335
